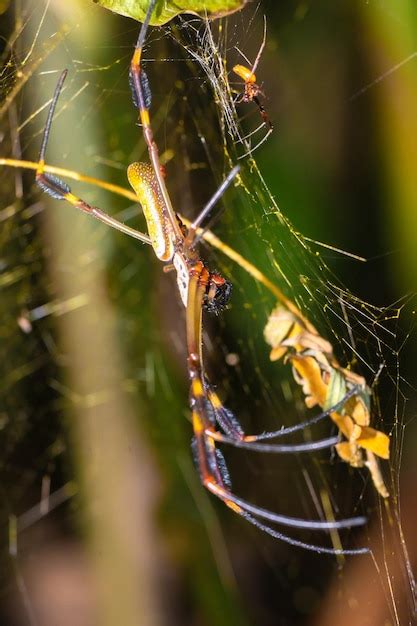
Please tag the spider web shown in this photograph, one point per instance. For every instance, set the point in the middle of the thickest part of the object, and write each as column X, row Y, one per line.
column 56, row 267
column 367, row 338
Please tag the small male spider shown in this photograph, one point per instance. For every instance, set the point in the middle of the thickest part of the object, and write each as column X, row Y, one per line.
column 251, row 88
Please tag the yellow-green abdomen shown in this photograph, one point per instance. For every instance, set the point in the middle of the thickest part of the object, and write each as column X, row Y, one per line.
column 142, row 178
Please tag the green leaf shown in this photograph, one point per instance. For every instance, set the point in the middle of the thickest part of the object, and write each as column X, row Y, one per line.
column 168, row 9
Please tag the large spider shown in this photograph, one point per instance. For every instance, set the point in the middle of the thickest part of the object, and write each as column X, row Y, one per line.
column 199, row 289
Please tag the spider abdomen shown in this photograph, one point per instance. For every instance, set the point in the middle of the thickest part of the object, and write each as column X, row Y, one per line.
column 141, row 176
column 245, row 73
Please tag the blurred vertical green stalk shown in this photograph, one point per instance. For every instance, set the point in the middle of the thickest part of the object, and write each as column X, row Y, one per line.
column 394, row 60
column 117, row 475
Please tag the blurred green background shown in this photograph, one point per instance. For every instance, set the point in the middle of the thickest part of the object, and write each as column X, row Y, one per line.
column 94, row 384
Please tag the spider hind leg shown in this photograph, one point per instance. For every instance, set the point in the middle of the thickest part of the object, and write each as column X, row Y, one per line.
column 215, row 477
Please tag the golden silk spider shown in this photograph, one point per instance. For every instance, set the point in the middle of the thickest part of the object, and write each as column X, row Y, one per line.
column 199, row 289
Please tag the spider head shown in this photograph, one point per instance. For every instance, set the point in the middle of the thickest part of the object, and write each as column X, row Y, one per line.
column 218, row 293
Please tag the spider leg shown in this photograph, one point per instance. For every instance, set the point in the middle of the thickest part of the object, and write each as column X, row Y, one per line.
column 284, row 520
column 59, row 190
column 291, row 448
column 242, row 54
column 192, row 238
column 210, row 463
column 234, row 434
column 251, row 150
column 141, row 98
column 253, row 132
column 301, row 544
column 264, row 114
column 215, row 477
column 239, row 97
column 261, row 49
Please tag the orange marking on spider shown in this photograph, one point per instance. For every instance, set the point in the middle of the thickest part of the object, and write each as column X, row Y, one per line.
column 245, row 73
column 198, row 425
column 252, row 91
column 197, row 388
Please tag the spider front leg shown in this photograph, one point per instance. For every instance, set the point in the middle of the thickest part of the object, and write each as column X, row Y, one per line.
column 210, row 461
column 59, row 190
column 141, row 94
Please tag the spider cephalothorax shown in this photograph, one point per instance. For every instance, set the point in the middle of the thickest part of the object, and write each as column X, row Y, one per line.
column 218, row 293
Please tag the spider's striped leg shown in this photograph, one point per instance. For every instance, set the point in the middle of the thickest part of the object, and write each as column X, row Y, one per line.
column 210, row 461
column 210, row 464
column 59, row 190
column 234, row 435
column 141, row 94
